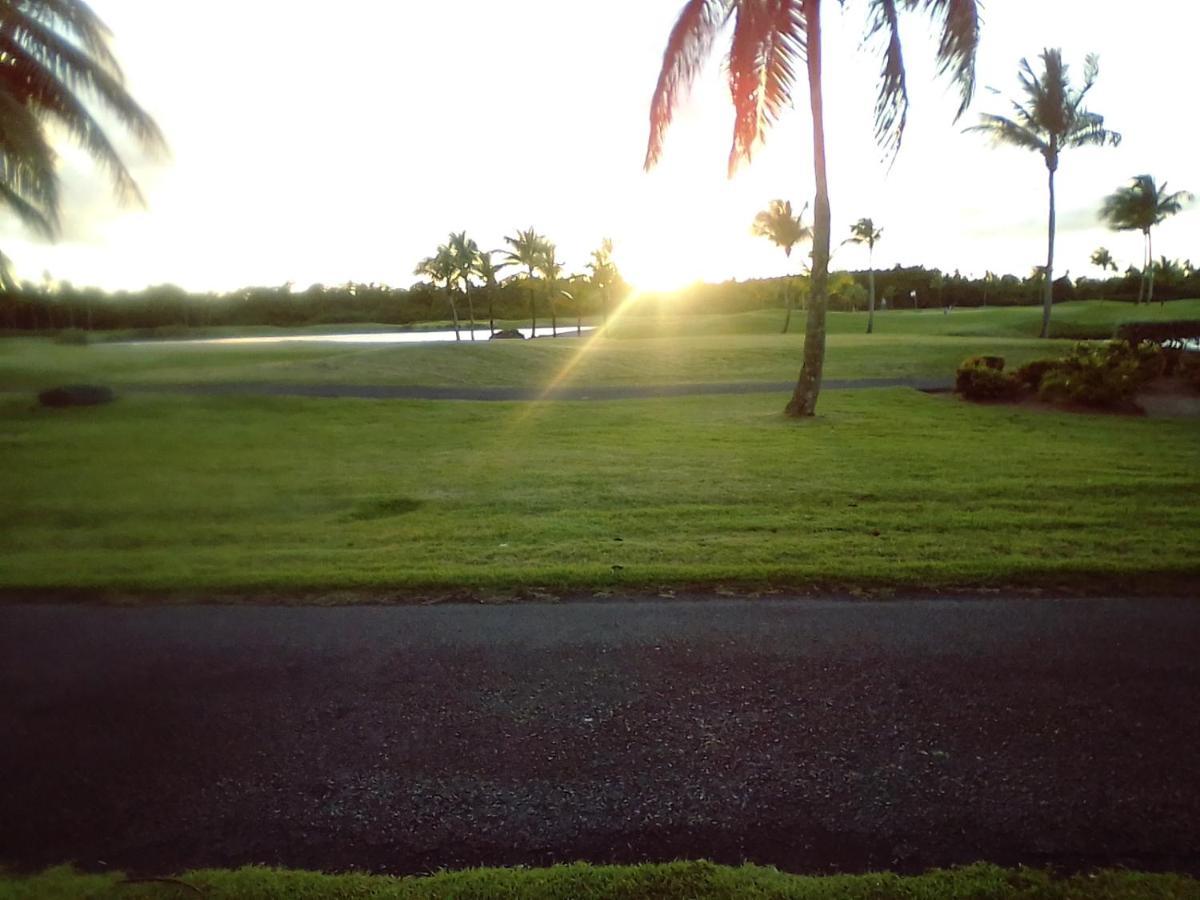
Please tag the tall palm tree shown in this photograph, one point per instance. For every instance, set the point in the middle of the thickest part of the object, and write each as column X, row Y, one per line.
column 551, row 268
column 487, row 270
column 442, row 268
column 466, row 257
column 1051, row 119
column 864, row 232
column 527, row 249
column 1140, row 206
column 604, row 274
column 783, row 229
column 1103, row 260
column 58, row 72
column 770, row 38
column 989, row 278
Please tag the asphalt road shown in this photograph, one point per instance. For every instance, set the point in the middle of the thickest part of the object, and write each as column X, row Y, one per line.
column 814, row 735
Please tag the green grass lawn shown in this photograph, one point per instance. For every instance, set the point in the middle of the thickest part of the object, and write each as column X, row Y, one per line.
column 886, row 488
column 640, row 350
column 690, row 880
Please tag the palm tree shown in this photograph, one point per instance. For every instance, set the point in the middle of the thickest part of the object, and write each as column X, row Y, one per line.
column 864, row 232
column 988, row 278
column 551, row 268
column 487, row 270
column 769, row 39
column 1052, row 119
column 59, row 72
column 1103, row 260
column 466, row 257
column 780, row 227
column 1140, row 206
column 442, row 268
column 604, row 273
column 527, row 249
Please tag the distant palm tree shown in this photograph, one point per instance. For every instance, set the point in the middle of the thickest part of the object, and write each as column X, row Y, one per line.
column 527, row 249
column 487, row 270
column 551, row 268
column 769, row 40
column 442, row 268
column 1103, row 260
column 864, row 232
column 57, row 71
column 604, row 274
column 466, row 258
column 1051, row 119
column 988, row 278
column 1139, row 207
column 777, row 224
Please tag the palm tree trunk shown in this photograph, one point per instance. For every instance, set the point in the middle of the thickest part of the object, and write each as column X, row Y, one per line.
column 470, row 307
column 1150, row 276
column 1142, row 280
column 1048, row 292
column 491, row 309
column 787, row 302
column 553, row 311
column 578, row 318
column 808, row 385
column 453, row 312
column 871, row 289
column 532, row 306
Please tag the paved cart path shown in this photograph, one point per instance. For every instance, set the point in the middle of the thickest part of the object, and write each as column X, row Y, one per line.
column 810, row 734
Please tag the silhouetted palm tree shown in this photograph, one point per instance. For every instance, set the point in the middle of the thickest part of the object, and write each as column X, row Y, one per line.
column 781, row 228
column 551, row 268
column 442, row 268
column 487, row 270
column 58, row 72
column 466, row 258
column 1139, row 207
column 604, row 273
column 864, row 232
column 1051, row 119
column 527, row 249
column 769, row 39
column 1103, row 260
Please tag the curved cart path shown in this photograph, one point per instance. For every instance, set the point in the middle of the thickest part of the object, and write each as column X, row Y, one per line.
column 811, row 734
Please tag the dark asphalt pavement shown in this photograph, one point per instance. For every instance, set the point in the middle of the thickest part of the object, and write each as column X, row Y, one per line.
column 814, row 735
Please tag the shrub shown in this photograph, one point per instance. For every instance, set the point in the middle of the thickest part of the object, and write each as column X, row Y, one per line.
column 1169, row 334
column 1189, row 369
column 1102, row 375
column 981, row 379
column 1031, row 374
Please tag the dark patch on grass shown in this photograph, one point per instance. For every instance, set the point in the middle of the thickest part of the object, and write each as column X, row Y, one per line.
column 384, row 508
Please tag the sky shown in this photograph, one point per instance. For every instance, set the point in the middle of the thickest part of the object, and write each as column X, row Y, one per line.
column 344, row 145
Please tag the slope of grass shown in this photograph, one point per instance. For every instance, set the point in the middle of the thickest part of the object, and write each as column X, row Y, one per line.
column 885, row 488
column 690, row 880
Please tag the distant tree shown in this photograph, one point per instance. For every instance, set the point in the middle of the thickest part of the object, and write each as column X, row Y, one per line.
column 864, row 232
column 527, row 250
column 487, row 270
column 551, row 268
column 785, row 230
column 768, row 43
column 1051, row 119
column 442, row 268
column 1103, row 260
column 466, row 259
column 59, row 74
column 988, row 278
column 1139, row 207
column 604, row 274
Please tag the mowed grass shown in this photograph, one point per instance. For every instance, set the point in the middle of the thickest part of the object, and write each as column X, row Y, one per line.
column 637, row 350
column 690, row 880
column 885, row 488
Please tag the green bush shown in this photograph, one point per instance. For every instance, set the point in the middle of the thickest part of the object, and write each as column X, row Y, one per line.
column 1171, row 334
column 1189, row 369
column 983, row 379
column 1031, row 374
column 1102, row 375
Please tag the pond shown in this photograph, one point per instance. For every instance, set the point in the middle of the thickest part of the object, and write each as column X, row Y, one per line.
column 372, row 337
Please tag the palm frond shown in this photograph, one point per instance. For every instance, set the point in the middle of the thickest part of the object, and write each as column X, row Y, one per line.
column 688, row 47
column 957, row 45
column 1005, row 131
column 891, row 105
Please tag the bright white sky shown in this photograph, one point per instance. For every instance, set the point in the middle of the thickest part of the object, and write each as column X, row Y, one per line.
column 345, row 144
